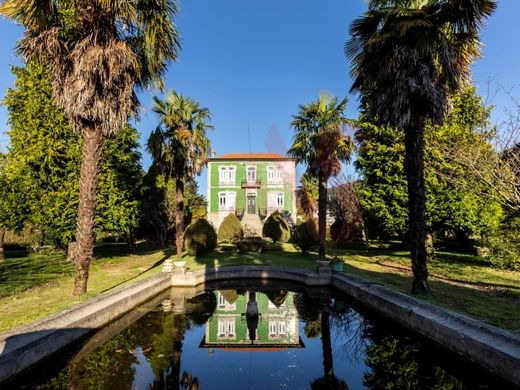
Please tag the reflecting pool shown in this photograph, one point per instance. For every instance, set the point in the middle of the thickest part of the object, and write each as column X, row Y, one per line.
column 254, row 336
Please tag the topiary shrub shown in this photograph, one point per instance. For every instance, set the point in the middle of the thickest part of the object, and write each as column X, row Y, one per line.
column 200, row 238
column 230, row 229
column 305, row 236
column 504, row 246
column 252, row 244
column 276, row 228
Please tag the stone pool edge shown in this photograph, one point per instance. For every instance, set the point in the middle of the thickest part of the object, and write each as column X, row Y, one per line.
column 26, row 345
column 496, row 349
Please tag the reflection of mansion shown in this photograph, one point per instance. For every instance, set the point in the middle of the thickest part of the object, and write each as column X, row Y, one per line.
column 253, row 321
column 252, row 186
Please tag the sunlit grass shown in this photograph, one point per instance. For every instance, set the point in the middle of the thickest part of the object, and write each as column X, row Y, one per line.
column 35, row 285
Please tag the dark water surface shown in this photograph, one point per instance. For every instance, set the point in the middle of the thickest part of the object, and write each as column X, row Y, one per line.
column 255, row 336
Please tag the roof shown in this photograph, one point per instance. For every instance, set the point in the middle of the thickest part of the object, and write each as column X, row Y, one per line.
column 251, row 156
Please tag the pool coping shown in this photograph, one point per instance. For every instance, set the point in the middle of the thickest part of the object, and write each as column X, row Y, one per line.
column 26, row 345
column 496, row 349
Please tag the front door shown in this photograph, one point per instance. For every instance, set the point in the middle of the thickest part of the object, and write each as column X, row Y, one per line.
column 251, row 204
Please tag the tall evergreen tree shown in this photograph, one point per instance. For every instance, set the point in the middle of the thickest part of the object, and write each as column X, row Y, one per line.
column 44, row 159
column 452, row 206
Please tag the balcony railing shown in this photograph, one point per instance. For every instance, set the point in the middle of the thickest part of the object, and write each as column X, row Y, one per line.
column 251, row 184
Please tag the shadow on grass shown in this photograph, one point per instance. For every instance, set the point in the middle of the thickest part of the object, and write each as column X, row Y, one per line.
column 491, row 305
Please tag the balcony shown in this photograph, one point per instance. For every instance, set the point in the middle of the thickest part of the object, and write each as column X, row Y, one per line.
column 251, row 184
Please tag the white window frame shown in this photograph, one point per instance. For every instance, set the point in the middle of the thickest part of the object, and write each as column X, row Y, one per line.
column 272, row 328
column 223, row 304
column 274, row 175
column 251, row 168
column 226, row 328
column 227, row 200
column 227, row 175
column 280, row 200
column 275, row 200
column 281, row 328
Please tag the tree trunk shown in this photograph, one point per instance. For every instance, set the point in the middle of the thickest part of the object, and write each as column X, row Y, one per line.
column 89, row 175
column 71, row 251
column 322, row 215
column 414, row 166
column 328, row 368
column 179, row 215
column 2, row 251
column 130, row 241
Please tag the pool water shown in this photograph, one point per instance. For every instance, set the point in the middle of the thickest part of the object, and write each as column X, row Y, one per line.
column 255, row 336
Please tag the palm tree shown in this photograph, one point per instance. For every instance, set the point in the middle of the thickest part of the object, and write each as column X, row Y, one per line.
column 98, row 52
column 320, row 143
column 307, row 194
column 180, row 146
column 408, row 58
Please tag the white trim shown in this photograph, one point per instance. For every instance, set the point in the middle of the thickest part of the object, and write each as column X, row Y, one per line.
column 275, row 200
column 227, row 175
column 275, row 175
column 227, row 200
column 248, row 168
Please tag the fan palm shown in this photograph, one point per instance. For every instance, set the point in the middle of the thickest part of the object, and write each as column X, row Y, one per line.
column 321, row 144
column 307, row 194
column 408, row 58
column 180, row 146
column 98, row 52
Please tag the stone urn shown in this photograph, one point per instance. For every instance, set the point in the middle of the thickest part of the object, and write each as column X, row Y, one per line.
column 179, row 263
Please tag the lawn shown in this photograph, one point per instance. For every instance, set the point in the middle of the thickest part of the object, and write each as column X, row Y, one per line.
column 38, row 284
column 460, row 282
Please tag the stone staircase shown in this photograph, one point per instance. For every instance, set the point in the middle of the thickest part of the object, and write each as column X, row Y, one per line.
column 252, row 225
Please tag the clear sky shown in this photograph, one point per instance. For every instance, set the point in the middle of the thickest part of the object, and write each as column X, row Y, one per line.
column 253, row 62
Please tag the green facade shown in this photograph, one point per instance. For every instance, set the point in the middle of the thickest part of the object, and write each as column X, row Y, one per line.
column 214, row 186
column 268, row 313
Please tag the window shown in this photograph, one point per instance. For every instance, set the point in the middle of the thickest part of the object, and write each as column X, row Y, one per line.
column 226, row 200
column 226, row 327
column 274, row 175
column 275, row 200
column 226, row 175
column 225, row 305
column 251, row 174
column 281, row 328
column 272, row 328
column 279, row 200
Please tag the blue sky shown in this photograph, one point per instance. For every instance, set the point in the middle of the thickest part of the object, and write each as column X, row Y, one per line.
column 253, row 62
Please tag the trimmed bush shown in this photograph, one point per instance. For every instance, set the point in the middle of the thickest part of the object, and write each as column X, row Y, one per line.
column 252, row 244
column 200, row 238
column 230, row 229
column 276, row 228
column 305, row 236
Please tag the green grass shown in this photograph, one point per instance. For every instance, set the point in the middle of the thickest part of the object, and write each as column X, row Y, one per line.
column 35, row 285
column 461, row 282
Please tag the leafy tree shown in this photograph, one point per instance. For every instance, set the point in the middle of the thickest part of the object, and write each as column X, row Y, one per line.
column 451, row 206
column 98, row 52
column 408, row 59
column 196, row 204
column 44, row 159
column 320, row 143
column 157, row 214
column 180, row 146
